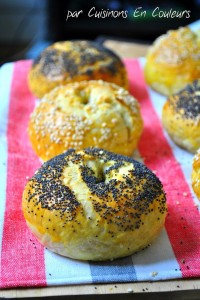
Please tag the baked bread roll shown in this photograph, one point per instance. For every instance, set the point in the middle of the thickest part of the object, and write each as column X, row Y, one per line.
column 196, row 174
column 94, row 205
column 181, row 117
column 173, row 61
column 83, row 114
column 70, row 61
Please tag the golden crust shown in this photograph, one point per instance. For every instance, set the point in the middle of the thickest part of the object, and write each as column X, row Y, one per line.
column 196, row 174
column 173, row 61
column 83, row 114
column 181, row 117
column 70, row 61
column 94, row 205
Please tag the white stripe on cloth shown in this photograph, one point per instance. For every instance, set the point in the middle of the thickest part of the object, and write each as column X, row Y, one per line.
column 182, row 156
column 62, row 270
column 157, row 262
column 6, row 72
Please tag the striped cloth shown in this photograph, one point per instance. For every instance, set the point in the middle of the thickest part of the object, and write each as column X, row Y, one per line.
column 24, row 262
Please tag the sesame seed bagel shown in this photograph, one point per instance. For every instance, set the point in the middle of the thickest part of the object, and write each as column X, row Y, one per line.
column 70, row 61
column 181, row 117
column 173, row 61
column 94, row 205
column 196, row 174
column 84, row 114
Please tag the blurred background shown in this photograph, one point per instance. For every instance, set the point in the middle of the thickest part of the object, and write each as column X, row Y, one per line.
column 27, row 27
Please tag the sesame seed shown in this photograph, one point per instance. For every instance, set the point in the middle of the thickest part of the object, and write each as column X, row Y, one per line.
column 154, row 274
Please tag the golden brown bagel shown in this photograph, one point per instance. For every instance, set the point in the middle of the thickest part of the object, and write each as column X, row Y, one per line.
column 83, row 114
column 181, row 117
column 70, row 61
column 173, row 61
column 196, row 174
column 94, row 205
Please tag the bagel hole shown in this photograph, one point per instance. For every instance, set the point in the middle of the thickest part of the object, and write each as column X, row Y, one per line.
column 101, row 175
column 125, row 119
column 84, row 97
column 85, row 100
column 98, row 170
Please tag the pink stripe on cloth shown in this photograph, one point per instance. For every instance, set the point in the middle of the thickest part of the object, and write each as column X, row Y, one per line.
column 183, row 220
column 22, row 257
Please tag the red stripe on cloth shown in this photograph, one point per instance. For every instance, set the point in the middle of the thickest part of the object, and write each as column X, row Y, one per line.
column 22, row 257
column 183, row 220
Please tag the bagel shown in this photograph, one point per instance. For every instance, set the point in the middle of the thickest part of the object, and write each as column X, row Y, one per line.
column 94, row 205
column 84, row 114
column 181, row 117
column 196, row 174
column 173, row 61
column 70, row 61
